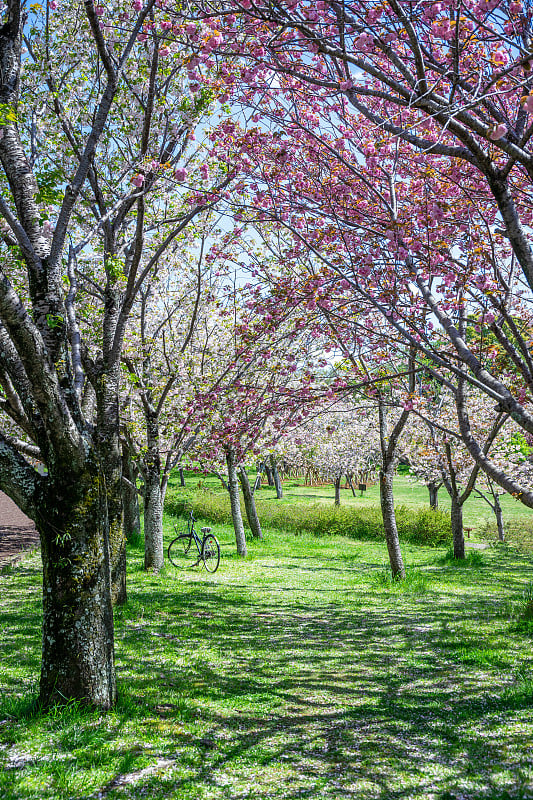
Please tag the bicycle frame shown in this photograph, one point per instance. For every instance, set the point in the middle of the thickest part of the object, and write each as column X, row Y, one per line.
column 207, row 546
column 192, row 533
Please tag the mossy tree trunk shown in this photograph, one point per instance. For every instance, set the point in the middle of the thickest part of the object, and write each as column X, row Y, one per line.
column 110, row 458
column 153, row 501
column 458, row 498
column 77, row 653
column 59, row 377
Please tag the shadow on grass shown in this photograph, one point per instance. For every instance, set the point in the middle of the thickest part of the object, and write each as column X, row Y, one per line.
column 343, row 699
column 371, row 696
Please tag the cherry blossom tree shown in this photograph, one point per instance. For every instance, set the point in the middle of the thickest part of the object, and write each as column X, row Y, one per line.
column 340, row 442
column 158, row 357
column 437, row 453
column 262, row 382
column 405, row 176
column 93, row 140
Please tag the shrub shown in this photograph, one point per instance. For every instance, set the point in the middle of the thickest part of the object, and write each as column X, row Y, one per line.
column 424, row 526
column 419, row 526
column 177, row 502
column 518, row 532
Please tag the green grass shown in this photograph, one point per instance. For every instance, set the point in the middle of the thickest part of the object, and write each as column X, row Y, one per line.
column 419, row 525
column 303, row 671
column 408, row 493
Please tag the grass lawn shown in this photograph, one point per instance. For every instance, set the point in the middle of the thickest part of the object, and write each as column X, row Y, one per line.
column 479, row 520
column 301, row 672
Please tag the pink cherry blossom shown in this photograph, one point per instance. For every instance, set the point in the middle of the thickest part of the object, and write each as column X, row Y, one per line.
column 527, row 102
column 498, row 132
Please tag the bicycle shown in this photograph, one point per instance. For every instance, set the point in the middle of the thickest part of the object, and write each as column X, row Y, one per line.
column 208, row 548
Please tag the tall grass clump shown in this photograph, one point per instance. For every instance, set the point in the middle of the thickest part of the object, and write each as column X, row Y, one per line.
column 527, row 603
column 472, row 559
column 419, row 526
column 415, row 581
column 518, row 532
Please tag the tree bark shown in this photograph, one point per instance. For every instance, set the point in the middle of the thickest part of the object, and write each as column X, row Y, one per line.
column 130, row 498
column 260, row 468
column 457, row 527
column 386, row 476
column 268, row 473
column 182, row 477
column 337, row 484
column 249, row 504
column 153, row 523
column 77, row 657
column 233, row 489
column 153, row 503
column 276, row 478
column 433, row 496
column 388, row 444
column 498, row 513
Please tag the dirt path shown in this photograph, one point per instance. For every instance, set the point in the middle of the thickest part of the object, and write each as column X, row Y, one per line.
column 17, row 532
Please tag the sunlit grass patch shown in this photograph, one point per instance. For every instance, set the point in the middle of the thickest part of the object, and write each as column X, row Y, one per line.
column 415, row 581
column 303, row 670
column 473, row 558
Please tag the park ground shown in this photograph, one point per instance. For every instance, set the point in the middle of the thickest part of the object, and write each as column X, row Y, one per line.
column 302, row 672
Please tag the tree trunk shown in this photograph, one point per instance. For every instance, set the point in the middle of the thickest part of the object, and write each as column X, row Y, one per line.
column 153, row 503
column 349, row 479
column 110, row 457
column 77, row 657
column 386, row 476
column 276, row 478
column 433, row 496
column 338, row 490
column 249, row 504
column 499, row 518
column 182, row 477
column 268, row 473
column 260, row 468
column 457, row 528
column 153, row 523
column 388, row 443
column 130, row 498
column 233, row 488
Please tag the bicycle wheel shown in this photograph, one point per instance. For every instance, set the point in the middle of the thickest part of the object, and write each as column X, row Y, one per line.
column 178, row 551
column 211, row 553
column 186, row 546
